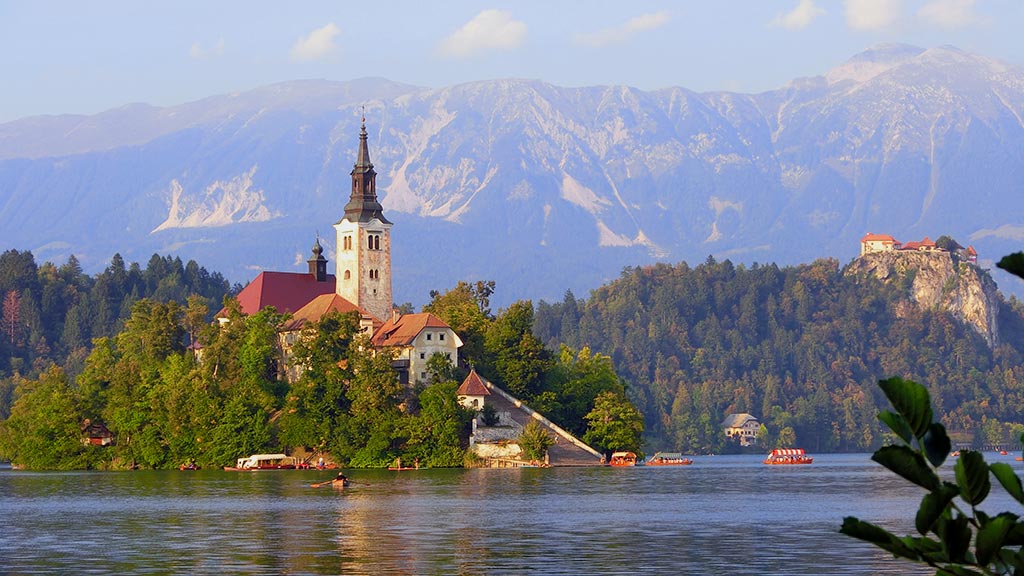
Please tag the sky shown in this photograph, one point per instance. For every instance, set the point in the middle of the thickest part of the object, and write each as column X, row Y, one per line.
column 78, row 57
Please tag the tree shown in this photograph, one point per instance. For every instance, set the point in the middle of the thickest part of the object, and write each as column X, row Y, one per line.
column 518, row 358
column 535, row 441
column 11, row 316
column 43, row 430
column 614, row 424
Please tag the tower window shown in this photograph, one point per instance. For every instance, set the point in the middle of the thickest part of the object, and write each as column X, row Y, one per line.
column 348, row 275
column 373, row 241
column 347, row 243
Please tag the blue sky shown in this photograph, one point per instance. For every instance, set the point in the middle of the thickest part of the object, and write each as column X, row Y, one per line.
column 86, row 57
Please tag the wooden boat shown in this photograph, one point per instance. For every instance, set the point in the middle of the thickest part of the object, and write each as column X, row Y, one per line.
column 788, row 456
column 264, row 462
column 668, row 459
column 623, row 459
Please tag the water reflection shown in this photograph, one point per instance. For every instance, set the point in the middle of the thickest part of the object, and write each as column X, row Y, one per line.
column 723, row 515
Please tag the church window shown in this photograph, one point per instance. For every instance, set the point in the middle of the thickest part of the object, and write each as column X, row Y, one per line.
column 347, row 243
column 348, row 275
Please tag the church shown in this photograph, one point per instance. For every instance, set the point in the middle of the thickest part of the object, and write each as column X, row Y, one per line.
column 362, row 284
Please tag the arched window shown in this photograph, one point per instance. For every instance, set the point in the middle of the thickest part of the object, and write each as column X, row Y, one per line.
column 348, row 275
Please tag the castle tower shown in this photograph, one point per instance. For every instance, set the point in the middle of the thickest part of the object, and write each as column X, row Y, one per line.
column 364, row 241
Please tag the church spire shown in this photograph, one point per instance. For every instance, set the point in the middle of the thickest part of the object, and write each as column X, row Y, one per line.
column 362, row 204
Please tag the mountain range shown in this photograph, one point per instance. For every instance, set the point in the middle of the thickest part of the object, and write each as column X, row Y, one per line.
column 539, row 187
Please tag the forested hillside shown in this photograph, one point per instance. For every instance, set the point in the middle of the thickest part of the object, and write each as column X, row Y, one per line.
column 801, row 348
column 51, row 313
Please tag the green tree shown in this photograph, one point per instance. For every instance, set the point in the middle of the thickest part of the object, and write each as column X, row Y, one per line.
column 614, row 424
column 535, row 441
column 518, row 358
column 43, row 430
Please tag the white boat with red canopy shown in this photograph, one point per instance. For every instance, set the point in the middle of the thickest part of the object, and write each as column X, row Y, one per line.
column 788, row 456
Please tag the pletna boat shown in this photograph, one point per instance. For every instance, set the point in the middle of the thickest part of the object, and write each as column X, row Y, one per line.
column 622, row 459
column 668, row 459
column 788, row 456
column 264, row 462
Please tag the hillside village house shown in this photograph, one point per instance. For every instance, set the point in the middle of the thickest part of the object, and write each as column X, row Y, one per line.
column 878, row 243
column 743, row 426
column 417, row 337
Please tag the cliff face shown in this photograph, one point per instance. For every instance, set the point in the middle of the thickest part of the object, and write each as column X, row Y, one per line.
column 939, row 280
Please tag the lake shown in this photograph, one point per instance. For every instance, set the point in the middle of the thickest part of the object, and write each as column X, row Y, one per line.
column 722, row 515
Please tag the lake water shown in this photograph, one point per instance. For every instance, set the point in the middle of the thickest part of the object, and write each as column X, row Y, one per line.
column 722, row 515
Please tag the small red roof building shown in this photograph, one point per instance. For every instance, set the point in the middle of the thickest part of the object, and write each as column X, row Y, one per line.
column 926, row 245
column 473, row 385
column 473, row 392
column 878, row 243
column 402, row 329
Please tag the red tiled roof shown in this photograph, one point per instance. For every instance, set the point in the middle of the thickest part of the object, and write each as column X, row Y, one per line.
column 926, row 243
column 473, row 385
column 403, row 331
column 285, row 291
column 869, row 237
column 322, row 304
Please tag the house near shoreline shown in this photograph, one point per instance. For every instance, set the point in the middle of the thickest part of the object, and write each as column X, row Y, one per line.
column 742, row 426
column 872, row 243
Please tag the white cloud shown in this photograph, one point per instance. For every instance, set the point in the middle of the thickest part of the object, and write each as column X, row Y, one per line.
column 199, row 52
column 317, row 44
column 624, row 31
column 800, row 17
column 872, row 14
column 488, row 30
column 949, row 13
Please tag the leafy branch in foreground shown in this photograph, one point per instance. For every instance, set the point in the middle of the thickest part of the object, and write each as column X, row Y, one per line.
column 948, row 520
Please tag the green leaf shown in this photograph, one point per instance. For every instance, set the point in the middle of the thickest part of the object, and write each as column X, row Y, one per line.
column 957, row 571
column 898, row 424
column 911, row 401
column 936, row 444
column 972, row 477
column 1014, row 264
column 908, row 464
column 878, row 536
column 933, row 505
column 991, row 537
column 1016, row 536
column 955, row 534
column 1008, row 479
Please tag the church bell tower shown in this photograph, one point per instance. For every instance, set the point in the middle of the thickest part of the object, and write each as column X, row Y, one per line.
column 364, row 241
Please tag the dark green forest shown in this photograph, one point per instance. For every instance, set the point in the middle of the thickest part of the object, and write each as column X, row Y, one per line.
column 801, row 348
column 50, row 314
